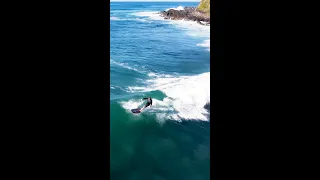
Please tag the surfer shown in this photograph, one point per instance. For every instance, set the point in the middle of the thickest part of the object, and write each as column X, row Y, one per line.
column 149, row 103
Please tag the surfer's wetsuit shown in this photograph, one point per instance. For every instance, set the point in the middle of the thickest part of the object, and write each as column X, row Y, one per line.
column 149, row 102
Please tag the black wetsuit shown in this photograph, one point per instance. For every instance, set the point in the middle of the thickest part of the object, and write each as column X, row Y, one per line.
column 149, row 102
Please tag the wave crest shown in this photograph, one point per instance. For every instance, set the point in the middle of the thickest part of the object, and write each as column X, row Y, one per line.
column 187, row 97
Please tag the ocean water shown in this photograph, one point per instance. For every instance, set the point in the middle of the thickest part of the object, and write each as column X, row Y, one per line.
column 169, row 61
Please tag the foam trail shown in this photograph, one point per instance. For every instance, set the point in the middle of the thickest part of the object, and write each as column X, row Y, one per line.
column 186, row 96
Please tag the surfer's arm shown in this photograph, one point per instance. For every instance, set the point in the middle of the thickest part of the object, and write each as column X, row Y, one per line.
column 144, row 98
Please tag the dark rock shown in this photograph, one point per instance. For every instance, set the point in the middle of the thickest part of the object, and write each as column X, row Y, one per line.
column 189, row 13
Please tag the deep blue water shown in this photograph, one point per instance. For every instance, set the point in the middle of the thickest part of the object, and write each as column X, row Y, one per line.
column 169, row 61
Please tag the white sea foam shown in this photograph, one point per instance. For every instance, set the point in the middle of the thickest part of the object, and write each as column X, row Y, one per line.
column 151, row 15
column 114, row 18
column 179, row 8
column 117, row 87
column 186, row 97
column 124, row 65
column 158, row 75
column 139, row 69
column 191, row 28
column 129, row 19
column 131, row 104
column 206, row 43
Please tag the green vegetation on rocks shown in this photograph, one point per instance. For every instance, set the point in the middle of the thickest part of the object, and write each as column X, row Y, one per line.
column 204, row 6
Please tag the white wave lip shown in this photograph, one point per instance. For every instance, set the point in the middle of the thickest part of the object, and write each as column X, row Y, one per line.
column 186, row 97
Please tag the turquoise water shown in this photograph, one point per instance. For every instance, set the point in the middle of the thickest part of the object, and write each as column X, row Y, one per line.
column 169, row 61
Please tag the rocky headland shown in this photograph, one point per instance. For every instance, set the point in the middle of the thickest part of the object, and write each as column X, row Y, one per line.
column 200, row 14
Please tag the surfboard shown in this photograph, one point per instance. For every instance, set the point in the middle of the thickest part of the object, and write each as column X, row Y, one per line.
column 136, row 111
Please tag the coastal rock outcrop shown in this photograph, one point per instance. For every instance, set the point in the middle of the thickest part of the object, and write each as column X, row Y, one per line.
column 201, row 14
